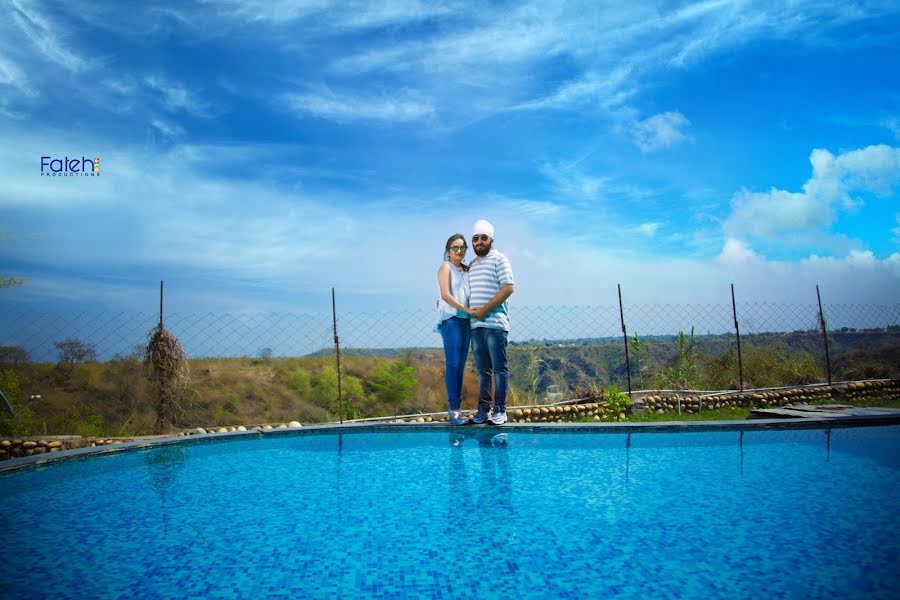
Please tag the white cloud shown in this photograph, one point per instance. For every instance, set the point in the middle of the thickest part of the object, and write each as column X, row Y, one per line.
column 735, row 251
column 660, row 131
column 893, row 124
column 154, row 211
column 342, row 109
column 647, row 229
column 874, row 169
column 773, row 213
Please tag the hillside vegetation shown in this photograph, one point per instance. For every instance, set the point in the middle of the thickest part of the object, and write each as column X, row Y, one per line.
column 82, row 396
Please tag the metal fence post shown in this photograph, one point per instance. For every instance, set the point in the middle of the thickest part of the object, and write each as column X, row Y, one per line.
column 737, row 331
column 625, row 337
column 824, row 334
column 337, row 355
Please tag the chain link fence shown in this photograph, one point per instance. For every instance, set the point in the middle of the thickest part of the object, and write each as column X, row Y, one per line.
column 551, row 347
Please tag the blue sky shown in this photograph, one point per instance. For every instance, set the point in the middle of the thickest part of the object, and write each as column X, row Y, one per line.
column 256, row 153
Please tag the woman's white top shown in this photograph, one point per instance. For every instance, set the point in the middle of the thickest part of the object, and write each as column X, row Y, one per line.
column 459, row 289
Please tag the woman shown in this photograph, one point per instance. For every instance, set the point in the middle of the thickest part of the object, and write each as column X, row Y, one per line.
column 453, row 322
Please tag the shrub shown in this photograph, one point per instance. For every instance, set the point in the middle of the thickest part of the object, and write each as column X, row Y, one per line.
column 393, row 382
column 325, row 388
column 300, row 383
column 22, row 422
column 167, row 367
column 617, row 401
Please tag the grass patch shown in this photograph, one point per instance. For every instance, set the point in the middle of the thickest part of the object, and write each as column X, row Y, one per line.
column 732, row 413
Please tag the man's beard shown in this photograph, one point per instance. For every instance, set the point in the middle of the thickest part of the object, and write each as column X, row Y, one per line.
column 483, row 249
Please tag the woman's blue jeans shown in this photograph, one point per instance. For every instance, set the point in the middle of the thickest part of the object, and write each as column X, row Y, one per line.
column 456, row 333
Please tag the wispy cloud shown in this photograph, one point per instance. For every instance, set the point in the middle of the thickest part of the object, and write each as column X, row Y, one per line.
column 660, row 131
column 11, row 75
column 273, row 11
column 176, row 98
column 347, row 108
column 45, row 37
column 170, row 130
column 350, row 15
column 893, row 124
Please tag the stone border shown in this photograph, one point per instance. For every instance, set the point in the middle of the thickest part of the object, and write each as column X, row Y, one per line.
column 672, row 427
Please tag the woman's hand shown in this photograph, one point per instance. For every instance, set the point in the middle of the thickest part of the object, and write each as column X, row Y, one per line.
column 478, row 312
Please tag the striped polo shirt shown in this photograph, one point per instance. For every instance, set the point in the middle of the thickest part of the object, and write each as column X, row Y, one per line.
column 486, row 275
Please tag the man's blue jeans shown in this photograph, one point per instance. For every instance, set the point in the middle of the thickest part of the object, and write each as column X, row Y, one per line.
column 489, row 348
column 455, row 332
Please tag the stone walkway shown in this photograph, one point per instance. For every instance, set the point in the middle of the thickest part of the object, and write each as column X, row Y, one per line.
column 822, row 411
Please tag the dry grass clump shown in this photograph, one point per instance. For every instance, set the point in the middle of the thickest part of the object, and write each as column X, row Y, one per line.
column 167, row 367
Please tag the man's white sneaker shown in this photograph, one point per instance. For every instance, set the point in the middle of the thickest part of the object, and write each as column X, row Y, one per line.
column 498, row 416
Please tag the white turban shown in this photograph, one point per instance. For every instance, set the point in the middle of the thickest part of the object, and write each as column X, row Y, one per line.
column 482, row 226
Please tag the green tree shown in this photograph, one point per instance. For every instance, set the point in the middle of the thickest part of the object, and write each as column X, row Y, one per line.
column 325, row 388
column 301, row 383
column 684, row 374
column 353, row 395
column 393, row 382
column 642, row 356
column 23, row 422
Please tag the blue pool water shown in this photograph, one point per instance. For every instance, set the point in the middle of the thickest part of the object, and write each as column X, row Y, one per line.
column 437, row 514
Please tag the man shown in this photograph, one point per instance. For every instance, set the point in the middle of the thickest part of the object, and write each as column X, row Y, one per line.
column 491, row 283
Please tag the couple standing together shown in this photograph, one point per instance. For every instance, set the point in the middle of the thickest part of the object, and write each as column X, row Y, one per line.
column 472, row 307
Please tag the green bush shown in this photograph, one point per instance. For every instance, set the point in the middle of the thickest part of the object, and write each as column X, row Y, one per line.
column 325, row 388
column 775, row 365
column 24, row 422
column 300, row 382
column 616, row 400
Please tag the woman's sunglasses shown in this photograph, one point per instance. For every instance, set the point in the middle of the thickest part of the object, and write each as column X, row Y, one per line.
column 458, row 249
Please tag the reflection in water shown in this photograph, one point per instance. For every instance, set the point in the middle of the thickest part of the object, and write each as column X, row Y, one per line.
column 164, row 466
column 487, row 516
column 627, row 458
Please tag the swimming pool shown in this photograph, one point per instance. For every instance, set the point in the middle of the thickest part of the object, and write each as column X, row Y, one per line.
column 465, row 513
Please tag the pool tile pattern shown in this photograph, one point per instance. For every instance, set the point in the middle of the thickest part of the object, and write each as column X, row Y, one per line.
column 466, row 514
